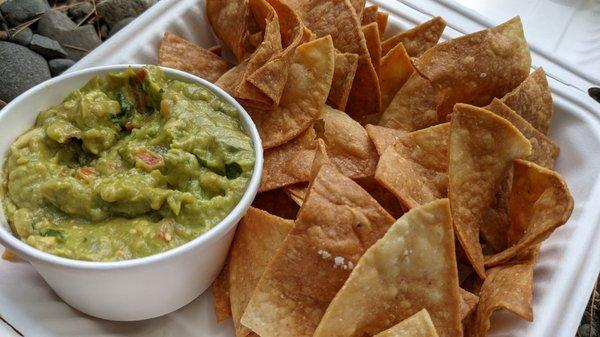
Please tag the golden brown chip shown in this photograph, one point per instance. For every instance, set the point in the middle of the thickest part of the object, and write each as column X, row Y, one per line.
column 369, row 15
column 417, row 325
column 395, row 70
column 382, row 21
column 178, row 53
column 232, row 22
column 336, row 224
column 533, row 101
column 220, row 292
column 413, row 267
column 232, row 78
column 543, row 150
column 384, row 197
column 359, row 7
column 477, row 67
column 276, row 202
column 258, row 237
column 343, row 77
column 539, row 203
column 216, row 49
column 415, row 167
column 468, row 303
column 481, row 149
column 383, row 137
column 418, row 39
column 303, row 97
column 297, row 192
column 371, row 33
column 8, row 255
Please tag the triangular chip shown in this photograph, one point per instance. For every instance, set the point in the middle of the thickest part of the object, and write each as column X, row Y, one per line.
column 232, row 22
column 382, row 21
column 178, row 53
column 371, row 33
column 297, row 192
column 383, row 137
column 220, row 292
column 343, row 77
column 303, row 97
column 413, row 267
column 539, row 203
column 276, row 202
column 468, row 303
column 477, row 67
column 418, row 39
column 417, row 325
column 232, row 78
column 336, row 224
column 384, row 197
column 533, row 101
column 482, row 147
column 415, row 167
column 369, row 15
column 258, row 237
column 395, row 70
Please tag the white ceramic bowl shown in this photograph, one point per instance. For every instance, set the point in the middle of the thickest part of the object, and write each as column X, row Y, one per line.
column 135, row 289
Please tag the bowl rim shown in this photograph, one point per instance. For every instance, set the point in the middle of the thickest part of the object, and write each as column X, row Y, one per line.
column 30, row 253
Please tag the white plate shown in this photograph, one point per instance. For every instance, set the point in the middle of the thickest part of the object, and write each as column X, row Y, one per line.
column 569, row 260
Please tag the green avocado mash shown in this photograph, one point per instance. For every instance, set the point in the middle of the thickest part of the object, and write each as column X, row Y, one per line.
column 130, row 165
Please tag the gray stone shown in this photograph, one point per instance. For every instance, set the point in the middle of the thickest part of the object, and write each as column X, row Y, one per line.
column 23, row 37
column 46, row 47
column 81, row 9
column 58, row 66
column 76, row 41
column 19, row 11
column 20, row 69
column 584, row 331
column 54, row 21
column 120, row 25
column 113, row 11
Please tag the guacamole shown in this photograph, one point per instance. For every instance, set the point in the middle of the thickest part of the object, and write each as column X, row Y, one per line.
column 130, row 165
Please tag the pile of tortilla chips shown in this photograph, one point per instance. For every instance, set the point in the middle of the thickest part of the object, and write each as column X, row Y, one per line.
column 408, row 184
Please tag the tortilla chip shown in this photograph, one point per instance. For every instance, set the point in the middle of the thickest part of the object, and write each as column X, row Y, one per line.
column 382, row 21
column 533, row 101
column 178, row 53
column 276, row 202
column 336, row 18
column 289, row 163
column 369, row 15
column 477, row 67
column 232, row 78
column 415, row 167
column 395, row 70
column 336, row 224
column 303, row 97
column 468, row 303
column 216, row 49
column 412, row 267
column 8, row 255
column 343, row 77
column 383, row 137
column 359, row 7
column 232, row 22
column 371, row 33
column 418, row 39
column 417, row 325
column 384, row 197
column 539, row 203
column 543, row 150
column 297, row 192
column 481, row 149
column 496, row 217
column 258, row 237
column 220, row 292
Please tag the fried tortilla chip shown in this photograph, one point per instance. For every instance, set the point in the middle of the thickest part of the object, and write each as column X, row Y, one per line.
column 468, row 303
column 395, row 70
column 336, row 224
column 413, row 267
column 303, row 97
column 418, row 39
column 216, row 49
column 382, row 21
column 384, row 197
column 277, row 202
column 297, row 192
column 543, row 150
column 417, row 325
column 336, row 18
column 481, row 149
column 477, row 67
column 8, row 255
column 289, row 163
column 539, row 203
column 232, row 22
column 343, row 77
column 371, row 33
column 232, row 78
column 178, row 53
column 383, row 137
column 369, row 15
column 533, row 101
column 359, row 7
column 415, row 167
column 220, row 292
column 258, row 237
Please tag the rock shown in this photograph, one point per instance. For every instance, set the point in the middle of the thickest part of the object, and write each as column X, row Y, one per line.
column 120, row 25
column 77, row 42
column 113, row 11
column 20, row 69
column 54, row 21
column 80, row 10
column 584, row 331
column 19, row 11
column 46, row 47
column 58, row 66
column 23, row 37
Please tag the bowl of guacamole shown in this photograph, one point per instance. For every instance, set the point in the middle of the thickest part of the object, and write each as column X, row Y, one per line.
column 125, row 168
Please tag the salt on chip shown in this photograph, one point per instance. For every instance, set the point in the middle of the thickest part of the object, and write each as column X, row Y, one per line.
column 303, row 97
column 418, row 39
column 477, row 67
column 415, row 167
column 343, row 77
column 232, row 22
column 539, row 203
column 383, row 137
column 369, row 15
column 413, row 267
column 338, row 221
column 257, row 238
column 181, row 54
column 371, row 33
column 396, row 68
column 533, row 101
column 481, row 150
column 417, row 325
column 276, row 202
